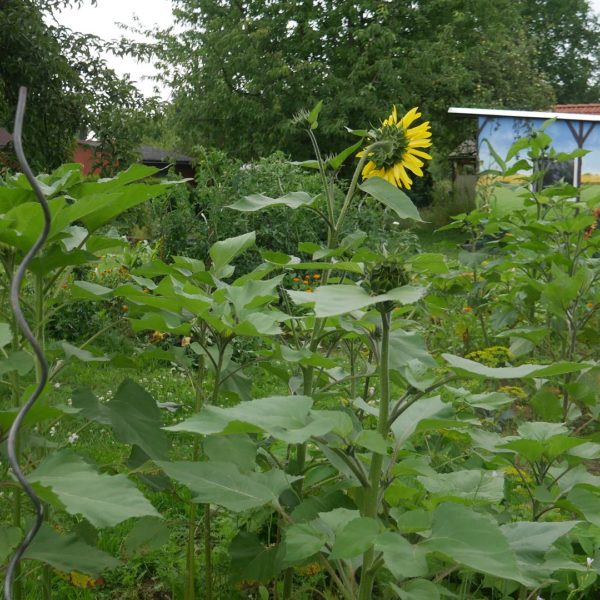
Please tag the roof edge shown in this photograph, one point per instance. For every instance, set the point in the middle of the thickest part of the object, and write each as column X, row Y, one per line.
column 521, row 114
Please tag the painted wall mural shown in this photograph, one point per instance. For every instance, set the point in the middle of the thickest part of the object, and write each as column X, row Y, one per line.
column 501, row 132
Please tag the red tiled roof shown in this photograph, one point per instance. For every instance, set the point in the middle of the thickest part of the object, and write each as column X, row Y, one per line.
column 582, row 109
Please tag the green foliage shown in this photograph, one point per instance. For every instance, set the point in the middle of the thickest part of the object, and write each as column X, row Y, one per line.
column 434, row 437
column 70, row 89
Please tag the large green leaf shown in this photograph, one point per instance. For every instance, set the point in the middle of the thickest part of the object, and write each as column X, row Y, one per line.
column 427, row 408
column 5, row 334
column 473, row 540
column 68, row 553
column 586, row 502
column 392, row 197
column 355, row 537
column 136, row 419
column 419, row 589
column 104, row 500
column 255, row 202
column 400, row 557
column 222, row 253
column 20, row 361
column 133, row 415
column 253, row 561
column 333, row 300
column 148, row 534
column 470, row 367
column 287, row 418
column 224, row 484
column 302, row 540
column 472, row 485
column 9, row 538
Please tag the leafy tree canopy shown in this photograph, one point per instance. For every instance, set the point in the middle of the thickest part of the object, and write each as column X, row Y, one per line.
column 70, row 86
column 240, row 69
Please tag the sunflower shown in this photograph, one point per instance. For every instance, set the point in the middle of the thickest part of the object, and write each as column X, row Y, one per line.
column 399, row 151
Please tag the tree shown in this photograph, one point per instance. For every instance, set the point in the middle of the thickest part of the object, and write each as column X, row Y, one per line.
column 241, row 69
column 567, row 34
column 70, row 86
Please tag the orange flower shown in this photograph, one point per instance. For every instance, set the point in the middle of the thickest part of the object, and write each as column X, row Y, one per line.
column 468, row 309
column 296, row 279
column 590, row 305
column 125, row 307
column 316, row 276
column 309, row 290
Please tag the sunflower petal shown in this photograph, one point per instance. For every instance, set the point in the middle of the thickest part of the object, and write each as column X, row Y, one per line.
column 412, row 115
column 416, row 152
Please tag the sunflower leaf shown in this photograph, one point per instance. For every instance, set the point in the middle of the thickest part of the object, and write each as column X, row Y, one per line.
column 392, row 197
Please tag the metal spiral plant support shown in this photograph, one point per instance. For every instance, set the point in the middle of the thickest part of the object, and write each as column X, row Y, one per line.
column 37, row 349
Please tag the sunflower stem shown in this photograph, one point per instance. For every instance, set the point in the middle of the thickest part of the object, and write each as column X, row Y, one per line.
column 371, row 504
column 353, row 185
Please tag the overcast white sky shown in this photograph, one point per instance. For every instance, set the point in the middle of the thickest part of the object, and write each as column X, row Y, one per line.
column 102, row 19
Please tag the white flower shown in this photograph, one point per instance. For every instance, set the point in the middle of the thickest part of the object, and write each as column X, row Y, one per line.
column 57, row 385
column 396, row 223
column 73, row 437
column 69, row 402
column 52, row 431
column 539, row 598
column 589, row 561
column 371, row 391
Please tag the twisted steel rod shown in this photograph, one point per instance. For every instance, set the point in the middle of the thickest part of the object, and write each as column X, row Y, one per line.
column 35, row 345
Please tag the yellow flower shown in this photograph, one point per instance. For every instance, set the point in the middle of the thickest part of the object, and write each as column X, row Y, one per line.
column 398, row 149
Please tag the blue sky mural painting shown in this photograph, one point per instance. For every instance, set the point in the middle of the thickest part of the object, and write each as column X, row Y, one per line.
column 567, row 135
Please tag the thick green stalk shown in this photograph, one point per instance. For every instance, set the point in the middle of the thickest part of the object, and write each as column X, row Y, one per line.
column 46, row 580
column 371, row 504
column 190, row 563
column 308, row 372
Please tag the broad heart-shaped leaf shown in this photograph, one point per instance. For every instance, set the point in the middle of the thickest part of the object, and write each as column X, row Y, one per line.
column 302, row 540
column 252, row 561
column 239, row 449
column 406, row 346
column 148, row 534
column 20, row 361
column 104, row 500
column 465, row 366
column 133, row 415
column 400, row 557
column 427, row 408
column 586, row 503
column 68, row 553
column 333, row 300
column 287, row 418
column 356, row 537
column 5, row 334
column 255, row 202
column 81, row 354
column 419, row 589
column 392, row 197
column 222, row 253
column 9, row 538
column 473, row 540
column 531, row 540
column 472, row 485
column 224, row 484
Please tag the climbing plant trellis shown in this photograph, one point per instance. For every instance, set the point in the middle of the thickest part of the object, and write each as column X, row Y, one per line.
column 12, row 446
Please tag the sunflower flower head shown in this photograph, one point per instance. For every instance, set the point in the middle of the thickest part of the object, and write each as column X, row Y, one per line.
column 397, row 148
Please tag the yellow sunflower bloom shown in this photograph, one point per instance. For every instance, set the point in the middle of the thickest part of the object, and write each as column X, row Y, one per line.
column 402, row 150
